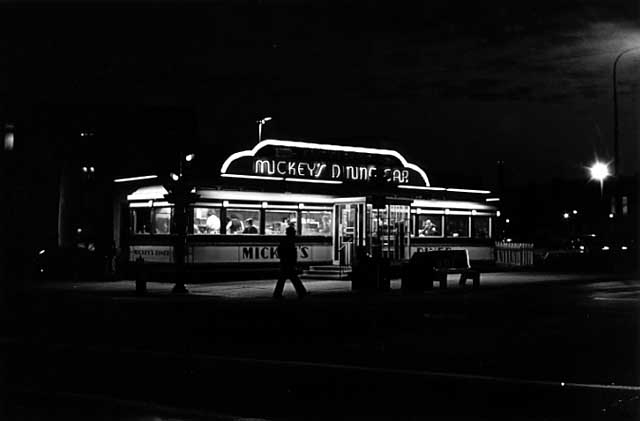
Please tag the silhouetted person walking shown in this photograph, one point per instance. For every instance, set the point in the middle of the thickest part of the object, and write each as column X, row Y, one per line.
column 288, row 255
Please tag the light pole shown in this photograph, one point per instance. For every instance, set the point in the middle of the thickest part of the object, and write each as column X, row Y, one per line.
column 181, row 195
column 260, row 123
column 616, row 162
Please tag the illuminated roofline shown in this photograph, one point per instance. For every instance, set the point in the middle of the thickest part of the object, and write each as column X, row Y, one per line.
column 252, row 177
column 142, row 177
column 422, row 188
column 321, row 146
column 446, row 189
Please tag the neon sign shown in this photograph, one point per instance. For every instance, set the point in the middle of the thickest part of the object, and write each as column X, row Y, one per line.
column 319, row 163
column 321, row 170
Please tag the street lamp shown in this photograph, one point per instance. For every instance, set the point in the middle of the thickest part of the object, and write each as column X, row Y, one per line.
column 260, row 123
column 180, row 193
column 616, row 162
column 599, row 171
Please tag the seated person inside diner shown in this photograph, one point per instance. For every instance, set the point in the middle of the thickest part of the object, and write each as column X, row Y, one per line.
column 235, row 225
column 213, row 224
column 428, row 228
column 250, row 228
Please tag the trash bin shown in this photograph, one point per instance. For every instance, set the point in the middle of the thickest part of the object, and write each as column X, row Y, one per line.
column 361, row 271
column 369, row 273
column 418, row 273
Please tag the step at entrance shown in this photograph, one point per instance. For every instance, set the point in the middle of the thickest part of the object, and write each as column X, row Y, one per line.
column 328, row 272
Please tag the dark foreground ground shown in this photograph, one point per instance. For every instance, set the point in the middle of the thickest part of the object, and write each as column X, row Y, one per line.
column 524, row 346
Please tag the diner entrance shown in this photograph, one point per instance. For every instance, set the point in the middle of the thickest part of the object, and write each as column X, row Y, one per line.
column 348, row 231
column 388, row 231
column 382, row 231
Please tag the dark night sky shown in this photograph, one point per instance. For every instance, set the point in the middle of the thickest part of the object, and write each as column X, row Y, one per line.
column 453, row 86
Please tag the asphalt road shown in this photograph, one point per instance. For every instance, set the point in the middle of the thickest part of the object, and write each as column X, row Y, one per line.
column 548, row 350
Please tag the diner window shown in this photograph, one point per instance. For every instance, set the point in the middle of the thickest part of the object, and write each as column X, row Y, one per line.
column 161, row 221
column 206, row 221
column 480, row 227
column 140, row 222
column 316, row 222
column 242, row 221
column 276, row 222
column 457, row 226
column 429, row 225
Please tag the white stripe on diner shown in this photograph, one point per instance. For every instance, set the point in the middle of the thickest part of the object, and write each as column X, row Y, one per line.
column 142, row 177
column 266, row 196
column 304, row 180
column 469, row 191
column 422, row 188
column 451, row 204
column 252, row 177
column 450, row 189
column 316, row 208
column 149, row 203
column 147, row 193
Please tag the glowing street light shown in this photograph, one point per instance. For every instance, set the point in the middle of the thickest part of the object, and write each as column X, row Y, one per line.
column 189, row 157
column 599, row 171
column 260, row 123
column 565, row 215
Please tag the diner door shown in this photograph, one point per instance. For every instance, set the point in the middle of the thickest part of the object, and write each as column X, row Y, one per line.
column 390, row 232
column 347, row 231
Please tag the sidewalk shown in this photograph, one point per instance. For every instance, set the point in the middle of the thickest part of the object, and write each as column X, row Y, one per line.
column 263, row 289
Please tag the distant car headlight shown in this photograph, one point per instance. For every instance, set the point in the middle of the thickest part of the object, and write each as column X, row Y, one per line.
column 624, row 248
column 605, row 248
column 41, row 252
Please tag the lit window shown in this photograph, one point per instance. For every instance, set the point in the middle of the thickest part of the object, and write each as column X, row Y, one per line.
column 161, row 222
column 429, row 225
column 276, row 222
column 625, row 205
column 242, row 221
column 316, row 223
column 457, row 226
column 206, row 221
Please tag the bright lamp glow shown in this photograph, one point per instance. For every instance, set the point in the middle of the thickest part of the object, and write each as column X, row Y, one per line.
column 189, row 157
column 599, row 171
column 174, row 176
column 565, row 215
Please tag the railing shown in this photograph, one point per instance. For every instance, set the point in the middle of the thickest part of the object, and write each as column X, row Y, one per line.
column 342, row 258
column 514, row 254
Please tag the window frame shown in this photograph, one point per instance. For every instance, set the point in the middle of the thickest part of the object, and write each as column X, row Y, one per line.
column 457, row 214
column 152, row 213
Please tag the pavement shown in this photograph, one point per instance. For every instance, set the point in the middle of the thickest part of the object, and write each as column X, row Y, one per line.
column 262, row 289
column 526, row 345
